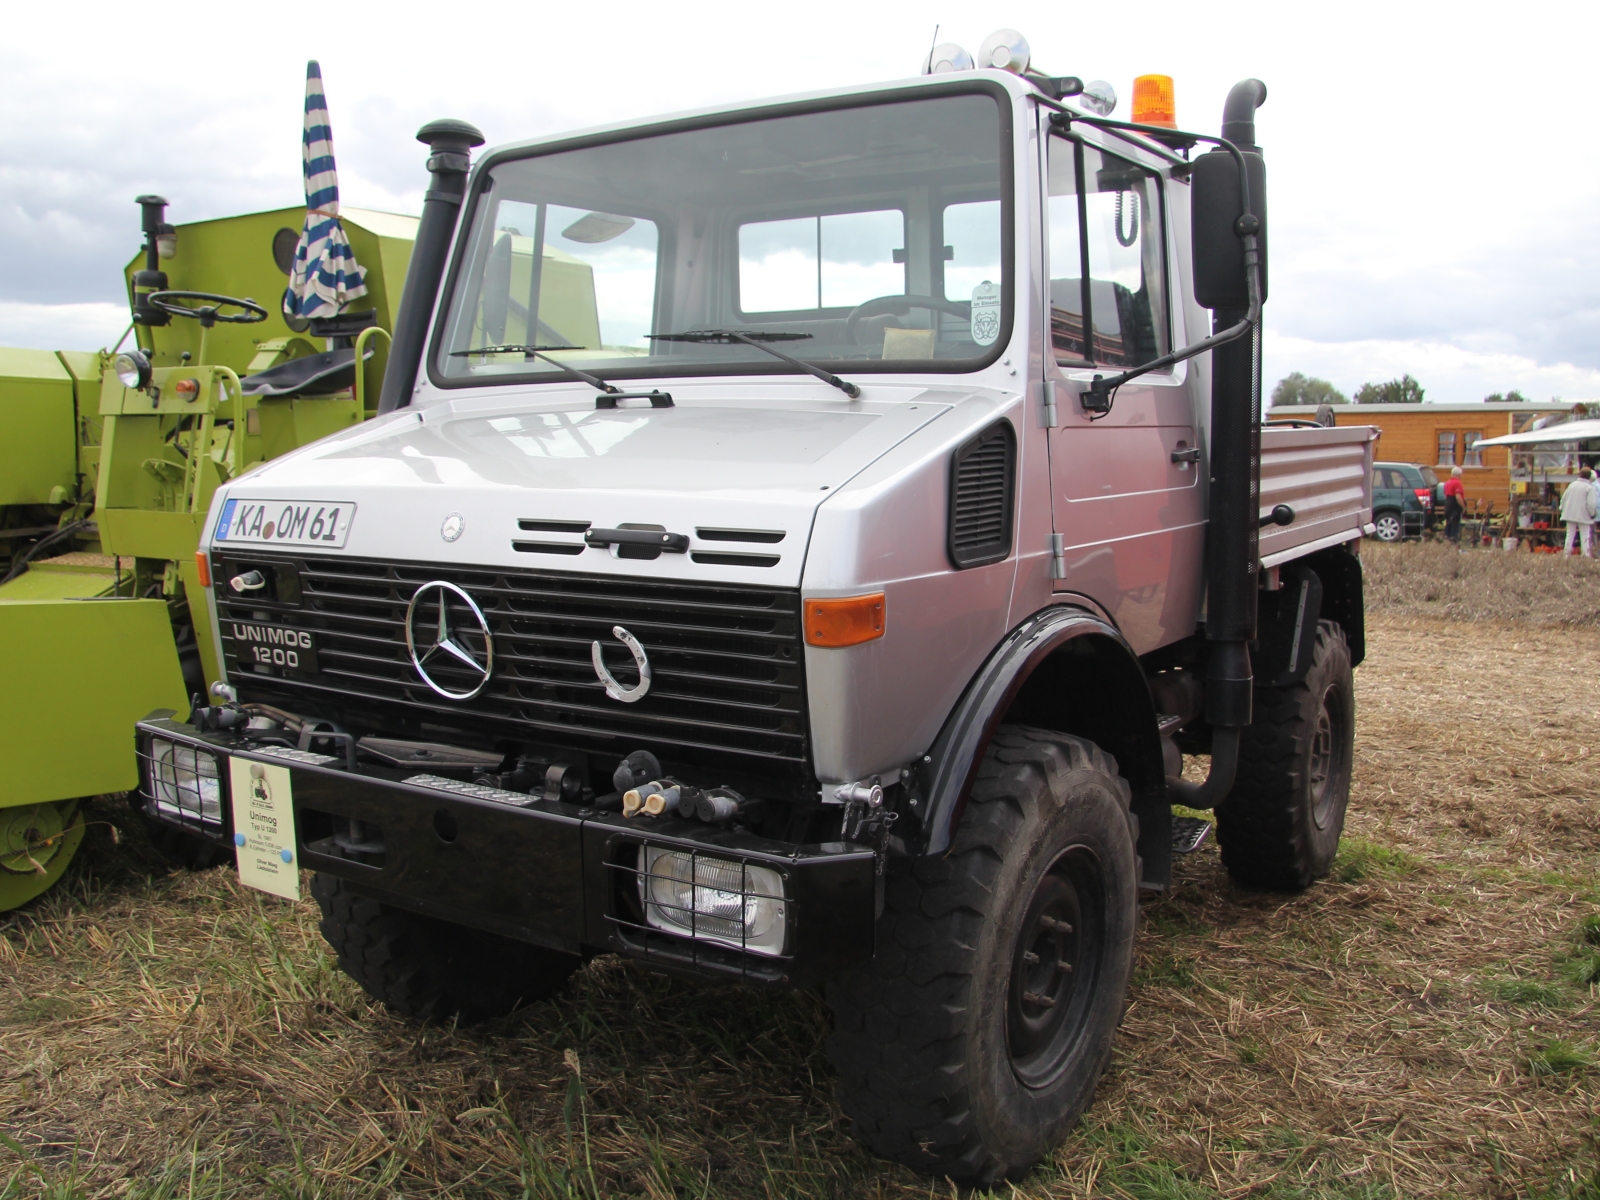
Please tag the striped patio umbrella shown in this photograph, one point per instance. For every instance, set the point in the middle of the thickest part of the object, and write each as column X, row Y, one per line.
column 326, row 275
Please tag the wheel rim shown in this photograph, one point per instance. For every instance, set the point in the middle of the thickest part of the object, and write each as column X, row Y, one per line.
column 1055, row 967
column 1327, row 758
column 25, row 872
column 1388, row 528
column 30, row 837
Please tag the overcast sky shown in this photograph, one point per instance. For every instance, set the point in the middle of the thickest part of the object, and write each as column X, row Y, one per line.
column 1410, row 232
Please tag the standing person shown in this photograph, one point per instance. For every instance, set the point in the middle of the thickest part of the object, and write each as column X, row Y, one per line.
column 1455, row 503
column 1578, row 509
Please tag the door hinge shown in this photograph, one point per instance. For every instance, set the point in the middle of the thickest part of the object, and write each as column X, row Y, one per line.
column 1050, row 419
column 1058, row 556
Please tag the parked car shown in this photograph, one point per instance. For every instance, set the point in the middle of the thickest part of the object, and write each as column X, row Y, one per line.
column 1402, row 499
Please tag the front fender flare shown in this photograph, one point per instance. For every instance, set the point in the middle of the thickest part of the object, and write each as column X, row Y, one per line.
column 947, row 772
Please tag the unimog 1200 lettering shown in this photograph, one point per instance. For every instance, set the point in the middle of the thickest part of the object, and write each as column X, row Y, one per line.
column 830, row 600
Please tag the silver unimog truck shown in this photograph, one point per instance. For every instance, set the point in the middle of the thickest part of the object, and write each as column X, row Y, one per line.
column 798, row 546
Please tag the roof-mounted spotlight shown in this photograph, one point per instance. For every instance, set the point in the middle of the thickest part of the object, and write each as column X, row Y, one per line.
column 1098, row 97
column 945, row 58
column 1005, row 50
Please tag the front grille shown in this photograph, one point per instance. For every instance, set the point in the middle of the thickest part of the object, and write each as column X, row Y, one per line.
column 726, row 661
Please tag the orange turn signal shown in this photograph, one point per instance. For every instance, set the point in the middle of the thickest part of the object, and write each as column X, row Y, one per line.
column 203, row 565
column 189, row 389
column 1154, row 102
column 846, row 622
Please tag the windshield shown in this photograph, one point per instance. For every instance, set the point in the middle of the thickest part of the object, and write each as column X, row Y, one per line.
column 870, row 238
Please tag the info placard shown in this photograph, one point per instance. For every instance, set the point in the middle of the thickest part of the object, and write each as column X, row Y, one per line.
column 263, row 827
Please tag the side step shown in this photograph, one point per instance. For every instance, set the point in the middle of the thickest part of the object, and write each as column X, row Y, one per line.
column 1189, row 834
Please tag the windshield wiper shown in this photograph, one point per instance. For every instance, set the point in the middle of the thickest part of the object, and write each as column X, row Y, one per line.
column 528, row 352
column 758, row 339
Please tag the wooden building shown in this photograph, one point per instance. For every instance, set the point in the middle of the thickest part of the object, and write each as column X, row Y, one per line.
column 1441, row 436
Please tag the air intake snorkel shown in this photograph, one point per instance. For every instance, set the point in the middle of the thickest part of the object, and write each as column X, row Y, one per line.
column 1228, row 211
column 152, row 278
column 450, row 143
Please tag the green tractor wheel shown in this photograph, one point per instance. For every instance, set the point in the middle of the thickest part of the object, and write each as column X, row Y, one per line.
column 37, row 841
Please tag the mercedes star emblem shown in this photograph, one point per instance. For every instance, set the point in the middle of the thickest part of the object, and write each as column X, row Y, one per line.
column 445, row 646
column 454, row 526
column 614, row 689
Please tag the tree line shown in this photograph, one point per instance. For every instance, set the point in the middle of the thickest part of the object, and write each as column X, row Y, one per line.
column 1296, row 388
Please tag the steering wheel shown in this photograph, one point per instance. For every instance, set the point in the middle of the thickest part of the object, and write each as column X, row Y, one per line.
column 207, row 314
column 884, row 306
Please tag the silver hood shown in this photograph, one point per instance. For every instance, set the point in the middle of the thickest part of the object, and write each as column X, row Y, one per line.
column 522, row 480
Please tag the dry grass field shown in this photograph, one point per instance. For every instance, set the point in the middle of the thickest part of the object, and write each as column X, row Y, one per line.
column 1422, row 1024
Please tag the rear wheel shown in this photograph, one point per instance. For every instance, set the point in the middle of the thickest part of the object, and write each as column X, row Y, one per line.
column 973, row 1042
column 1390, row 528
column 1279, row 827
column 433, row 970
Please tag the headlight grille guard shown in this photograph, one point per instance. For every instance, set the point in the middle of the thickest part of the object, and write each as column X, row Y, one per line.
column 184, row 785
column 628, row 915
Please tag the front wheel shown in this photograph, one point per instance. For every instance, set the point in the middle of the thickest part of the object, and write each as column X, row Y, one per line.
column 973, row 1042
column 432, row 970
column 1389, row 526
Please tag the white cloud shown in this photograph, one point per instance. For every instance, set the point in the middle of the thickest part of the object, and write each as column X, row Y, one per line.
column 61, row 326
column 1426, row 216
column 1447, row 372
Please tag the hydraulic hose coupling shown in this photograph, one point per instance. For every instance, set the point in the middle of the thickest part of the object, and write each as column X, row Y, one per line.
column 664, row 801
column 654, row 798
column 633, row 799
column 865, row 791
column 716, row 805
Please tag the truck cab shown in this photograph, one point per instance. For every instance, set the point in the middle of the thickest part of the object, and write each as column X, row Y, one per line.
column 788, row 553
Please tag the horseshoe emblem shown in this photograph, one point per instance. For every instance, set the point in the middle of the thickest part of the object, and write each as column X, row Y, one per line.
column 614, row 689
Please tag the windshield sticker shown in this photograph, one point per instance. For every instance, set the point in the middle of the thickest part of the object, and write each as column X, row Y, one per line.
column 985, row 313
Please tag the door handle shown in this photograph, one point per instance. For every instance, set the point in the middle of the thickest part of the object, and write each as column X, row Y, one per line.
column 1191, row 455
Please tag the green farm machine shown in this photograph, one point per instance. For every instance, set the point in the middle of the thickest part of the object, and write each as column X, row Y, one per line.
column 108, row 463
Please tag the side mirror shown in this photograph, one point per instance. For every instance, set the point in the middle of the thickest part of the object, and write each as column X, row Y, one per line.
column 1214, row 206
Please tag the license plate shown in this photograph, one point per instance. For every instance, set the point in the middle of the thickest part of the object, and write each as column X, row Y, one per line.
column 262, row 645
column 263, row 827
column 323, row 523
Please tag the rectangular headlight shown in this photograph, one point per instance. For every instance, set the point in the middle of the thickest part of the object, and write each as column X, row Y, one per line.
column 185, row 782
column 718, row 900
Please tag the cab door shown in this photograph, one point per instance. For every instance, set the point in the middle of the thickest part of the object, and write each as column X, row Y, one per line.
column 1127, row 499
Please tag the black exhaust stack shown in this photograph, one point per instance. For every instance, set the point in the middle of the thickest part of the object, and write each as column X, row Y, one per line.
column 1229, row 240
column 451, row 143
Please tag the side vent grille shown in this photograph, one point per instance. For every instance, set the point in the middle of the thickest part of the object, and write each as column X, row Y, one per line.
column 982, row 494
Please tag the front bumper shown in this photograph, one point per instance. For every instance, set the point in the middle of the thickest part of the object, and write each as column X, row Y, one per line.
column 546, row 872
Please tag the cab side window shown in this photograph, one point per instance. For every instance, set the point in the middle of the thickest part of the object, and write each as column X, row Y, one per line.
column 1108, row 273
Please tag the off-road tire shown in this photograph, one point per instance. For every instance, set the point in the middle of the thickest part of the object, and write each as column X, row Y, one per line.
column 942, row 1065
column 1279, row 827
column 431, row 970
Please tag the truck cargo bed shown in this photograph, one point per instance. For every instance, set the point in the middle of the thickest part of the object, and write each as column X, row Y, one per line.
column 1325, row 475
